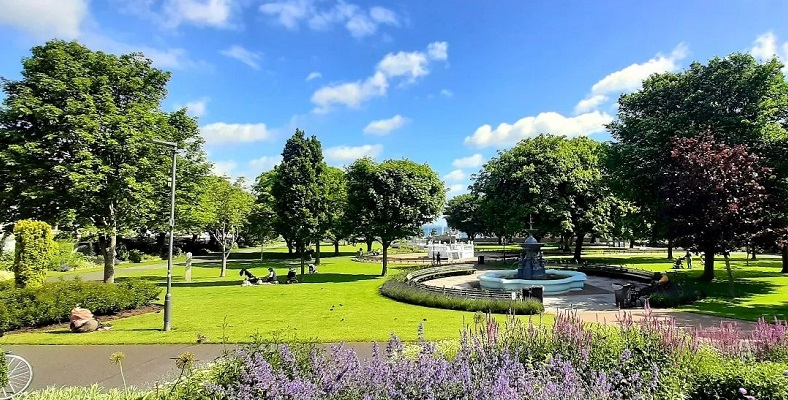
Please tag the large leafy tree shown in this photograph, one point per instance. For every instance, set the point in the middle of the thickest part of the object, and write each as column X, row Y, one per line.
column 464, row 212
column 555, row 180
column 298, row 199
column 738, row 100
column 715, row 194
column 332, row 221
column 226, row 208
column 75, row 141
column 396, row 198
column 261, row 226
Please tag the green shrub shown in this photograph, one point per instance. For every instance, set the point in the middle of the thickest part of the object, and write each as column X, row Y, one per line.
column 405, row 293
column 67, row 258
column 6, row 261
column 3, row 370
column 52, row 302
column 135, row 256
column 719, row 379
column 94, row 392
column 35, row 250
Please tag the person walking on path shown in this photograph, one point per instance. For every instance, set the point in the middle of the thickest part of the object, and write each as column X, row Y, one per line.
column 688, row 256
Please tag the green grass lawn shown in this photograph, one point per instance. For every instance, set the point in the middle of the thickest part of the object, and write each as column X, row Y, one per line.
column 759, row 287
column 341, row 303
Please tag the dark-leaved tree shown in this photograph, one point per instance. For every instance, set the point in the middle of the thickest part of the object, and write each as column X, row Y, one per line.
column 714, row 195
column 464, row 212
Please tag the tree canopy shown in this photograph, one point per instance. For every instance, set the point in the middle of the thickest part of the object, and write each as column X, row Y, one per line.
column 394, row 198
column 226, row 208
column 738, row 100
column 555, row 180
column 715, row 193
column 75, row 141
column 298, row 199
column 464, row 212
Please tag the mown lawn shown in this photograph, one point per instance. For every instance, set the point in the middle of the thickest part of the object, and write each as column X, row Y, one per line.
column 759, row 287
column 341, row 303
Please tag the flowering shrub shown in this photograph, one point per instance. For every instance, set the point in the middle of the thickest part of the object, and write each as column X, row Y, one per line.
column 647, row 359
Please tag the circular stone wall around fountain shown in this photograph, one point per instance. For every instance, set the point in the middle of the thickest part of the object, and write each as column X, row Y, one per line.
column 556, row 282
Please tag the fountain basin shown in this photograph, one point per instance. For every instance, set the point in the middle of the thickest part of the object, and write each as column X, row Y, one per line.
column 565, row 281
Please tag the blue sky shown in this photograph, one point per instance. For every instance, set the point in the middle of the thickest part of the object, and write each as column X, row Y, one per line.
column 447, row 82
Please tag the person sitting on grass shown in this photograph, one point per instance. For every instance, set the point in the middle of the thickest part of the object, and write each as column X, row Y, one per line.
column 271, row 278
column 82, row 321
column 312, row 269
column 291, row 276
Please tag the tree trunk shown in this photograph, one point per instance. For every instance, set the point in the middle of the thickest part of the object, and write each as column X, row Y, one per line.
column 754, row 250
column 369, row 241
column 730, row 274
column 289, row 246
column 631, row 243
column 670, row 249
column 579, row 245
column 500, row 240
column 785, row 258
column 336, row 248
column 225, row 253
column 385, row 257
column 593, row 238
column 708, row 264
column 302, row 262
column 317, row 252
column 107, row 245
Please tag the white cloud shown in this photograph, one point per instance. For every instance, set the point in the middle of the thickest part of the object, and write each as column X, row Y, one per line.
column 45, row 18
column 546, row 122
column 631, row 78
column 196, row 108
column 215, row 13
column 406, row 65
column 456, row 189
column 243, row 55
column 454, row 176
column 314, row 75
column 348, row 154
column 447, row 93
column 224, row 168
column 438, row 50
column 385, row 126
column 474, row 161
column 766, row 46
column 358, row 21
column 262, row 164
column 171, row 14
column 220, row 132
column 590, row 103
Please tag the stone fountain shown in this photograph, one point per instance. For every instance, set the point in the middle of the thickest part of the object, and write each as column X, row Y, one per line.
column 531, row 272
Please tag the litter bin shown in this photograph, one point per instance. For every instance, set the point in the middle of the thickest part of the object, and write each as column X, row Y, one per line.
column 534, row 292
column 481, row 259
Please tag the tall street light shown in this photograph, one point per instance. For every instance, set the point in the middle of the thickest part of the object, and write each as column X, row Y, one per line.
column 168, row 295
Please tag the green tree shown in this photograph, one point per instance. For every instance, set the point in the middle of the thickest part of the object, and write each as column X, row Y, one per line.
column 738, row 100
column 226, row 207
column 261, row 226
column 433, row 232
column 464, row 212
column 555, row 180
column 75, row 141
column 34, row 251
column 396, row 198
column 298, row 199
column 332, row 221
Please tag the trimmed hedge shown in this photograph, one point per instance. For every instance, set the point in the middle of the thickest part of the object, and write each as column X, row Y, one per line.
column 35, row 250
column 52, row 303
column 397, row 290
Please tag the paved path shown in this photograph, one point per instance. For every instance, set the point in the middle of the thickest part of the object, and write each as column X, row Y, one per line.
column 143, row 367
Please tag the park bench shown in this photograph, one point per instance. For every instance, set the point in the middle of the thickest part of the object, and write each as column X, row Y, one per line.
column 439, row 272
